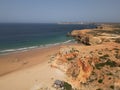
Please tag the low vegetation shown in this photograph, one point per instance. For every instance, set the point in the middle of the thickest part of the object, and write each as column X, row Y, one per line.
column 100, row 80
column 112, row 86
column 104, row 57
column 95, row 65
column 67, row 86
column 108, row 62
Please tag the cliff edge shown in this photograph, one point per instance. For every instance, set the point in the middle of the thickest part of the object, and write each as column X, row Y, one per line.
column 95, row 66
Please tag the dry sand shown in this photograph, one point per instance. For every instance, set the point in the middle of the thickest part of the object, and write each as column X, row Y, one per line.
column 29, row 70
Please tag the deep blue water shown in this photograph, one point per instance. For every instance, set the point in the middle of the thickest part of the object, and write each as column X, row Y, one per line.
column 16, row 36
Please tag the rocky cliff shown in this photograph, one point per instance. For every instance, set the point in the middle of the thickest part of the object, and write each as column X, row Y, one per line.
column 93, row 67
column 103, row 33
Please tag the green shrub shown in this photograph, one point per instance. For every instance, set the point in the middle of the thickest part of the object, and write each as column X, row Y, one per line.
column 109, row 63
column 69, row 59
column 100, row 80
column 112, row 87
column 67, row 86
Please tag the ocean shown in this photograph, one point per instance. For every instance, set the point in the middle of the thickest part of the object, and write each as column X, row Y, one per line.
column 23, row 36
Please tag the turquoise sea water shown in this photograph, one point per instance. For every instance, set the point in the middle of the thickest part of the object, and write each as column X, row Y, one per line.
column 26, row 36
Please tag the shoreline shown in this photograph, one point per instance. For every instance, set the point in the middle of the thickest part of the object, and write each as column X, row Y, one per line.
column 32, row 68
column 14, row 50
column 14, row 61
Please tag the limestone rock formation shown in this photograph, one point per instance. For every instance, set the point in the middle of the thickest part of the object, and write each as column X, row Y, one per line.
column 96, row 66
column 92, row 66
column 104, row 33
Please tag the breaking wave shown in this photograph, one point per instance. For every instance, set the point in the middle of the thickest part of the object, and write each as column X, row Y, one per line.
column 32, row 47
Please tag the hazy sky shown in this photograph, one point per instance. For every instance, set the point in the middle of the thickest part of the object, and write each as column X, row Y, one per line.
column 59, row 10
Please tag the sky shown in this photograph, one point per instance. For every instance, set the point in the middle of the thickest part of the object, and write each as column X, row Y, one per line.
column 51, row 11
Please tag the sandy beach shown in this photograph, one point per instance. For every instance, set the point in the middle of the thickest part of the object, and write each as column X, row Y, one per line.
column 28, row 70
column 39, row 68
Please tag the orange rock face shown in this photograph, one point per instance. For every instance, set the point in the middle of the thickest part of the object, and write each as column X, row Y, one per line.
column 95, row 67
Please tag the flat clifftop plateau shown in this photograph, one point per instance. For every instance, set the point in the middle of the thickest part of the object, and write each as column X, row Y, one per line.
column 98, row 35
column 94, row 64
